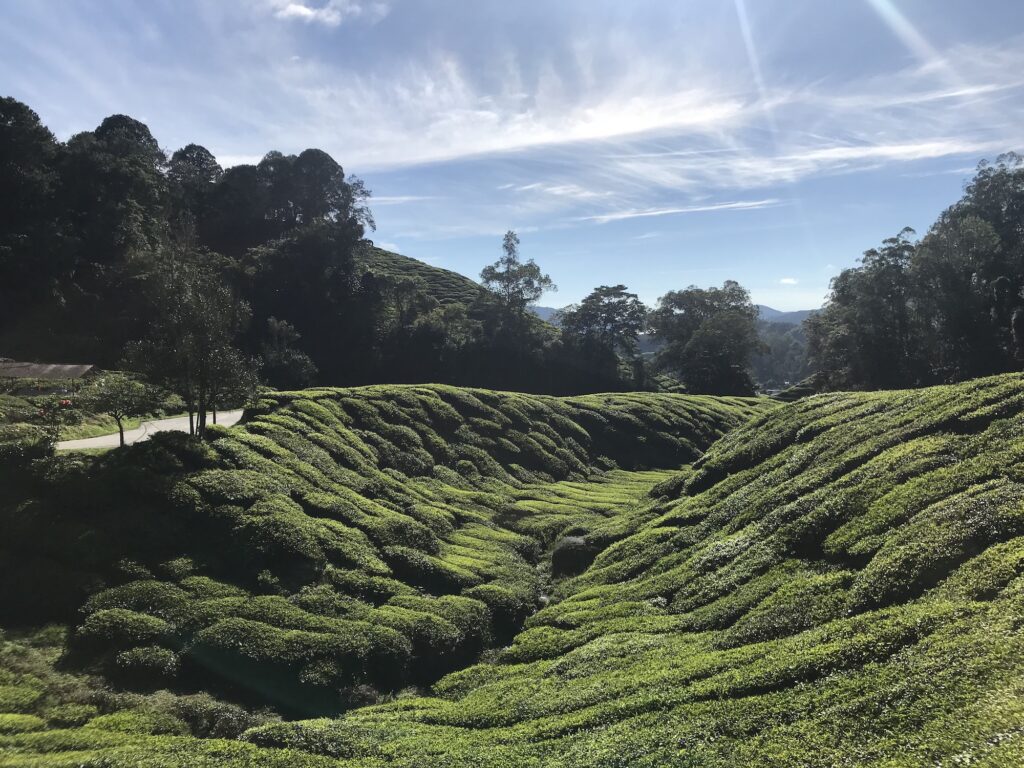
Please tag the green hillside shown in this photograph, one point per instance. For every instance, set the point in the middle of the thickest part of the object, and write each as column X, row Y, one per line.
column 442, row 284
column 838, row 581
column 343, row 544
column 837, row 584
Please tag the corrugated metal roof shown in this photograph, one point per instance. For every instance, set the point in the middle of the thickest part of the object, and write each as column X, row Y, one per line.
column 11, row 369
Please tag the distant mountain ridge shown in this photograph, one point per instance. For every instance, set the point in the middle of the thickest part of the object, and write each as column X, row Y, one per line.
column 787, row 318
column 546, row 313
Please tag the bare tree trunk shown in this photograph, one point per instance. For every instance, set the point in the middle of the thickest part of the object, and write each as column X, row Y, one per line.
column 201, row 429
column 120, row 431
column 203, row 405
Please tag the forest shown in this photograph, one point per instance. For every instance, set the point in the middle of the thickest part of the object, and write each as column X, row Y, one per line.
column 111, row 247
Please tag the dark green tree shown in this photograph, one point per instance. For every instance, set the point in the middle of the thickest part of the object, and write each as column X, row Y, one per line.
column 193, row 173
column 121, row 396
column 609, row 315
column 709, row 335
column 29, row 246
column 285, row 365
column 191, row 344
column 604, row 326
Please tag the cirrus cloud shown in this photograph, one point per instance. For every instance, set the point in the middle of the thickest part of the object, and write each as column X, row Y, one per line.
column 331, row 13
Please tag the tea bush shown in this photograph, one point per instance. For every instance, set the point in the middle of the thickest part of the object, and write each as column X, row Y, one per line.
column 377, row 535
column 837, row 581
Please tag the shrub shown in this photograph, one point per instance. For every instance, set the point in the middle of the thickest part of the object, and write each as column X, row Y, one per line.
column 119, row 628
column 147, row 666
column 20, row 723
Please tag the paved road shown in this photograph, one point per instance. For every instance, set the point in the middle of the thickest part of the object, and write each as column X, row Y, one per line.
column 144, row 430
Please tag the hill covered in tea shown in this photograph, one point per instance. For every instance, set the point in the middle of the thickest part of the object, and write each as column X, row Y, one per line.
column 343, row 542
column 838, row 581
column 445, row 286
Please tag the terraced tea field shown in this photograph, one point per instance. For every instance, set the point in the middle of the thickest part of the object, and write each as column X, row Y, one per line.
column 835, row 581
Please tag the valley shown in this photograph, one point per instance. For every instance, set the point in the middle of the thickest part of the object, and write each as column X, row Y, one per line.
column 831, row 581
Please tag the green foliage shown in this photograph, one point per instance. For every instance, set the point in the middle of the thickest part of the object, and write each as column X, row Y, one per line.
column 121, row 397
column 98, row 216
column 782, row 360
column 946, row 307
column 378, row 537
column 46, row 709
column 515, row 283
column 709, row 336
column 446, row 286
column 838, row 581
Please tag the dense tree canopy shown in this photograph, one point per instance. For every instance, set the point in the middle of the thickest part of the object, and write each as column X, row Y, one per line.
column 28, row 180
column 947, row 307
column 106, row 237
column 606, row 324
column 610, row 315
column 709, row 335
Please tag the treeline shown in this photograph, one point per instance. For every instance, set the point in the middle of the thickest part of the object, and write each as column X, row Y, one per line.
column 115, row 252
column 943, row 308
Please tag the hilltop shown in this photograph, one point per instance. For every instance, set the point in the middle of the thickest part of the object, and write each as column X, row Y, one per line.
column 445, row 286
column 834, row 581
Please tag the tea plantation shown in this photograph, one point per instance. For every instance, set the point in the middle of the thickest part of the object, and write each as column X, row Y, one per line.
column 510, row 580
column 446, row 286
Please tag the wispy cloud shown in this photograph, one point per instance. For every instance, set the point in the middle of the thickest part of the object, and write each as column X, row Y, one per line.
column 740, row 205
column 788, row 281
column 331, row 13
column 565, row 190
column 587, row 118
column 400, row 199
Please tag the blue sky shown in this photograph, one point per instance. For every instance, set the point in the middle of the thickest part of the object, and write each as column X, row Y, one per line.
column 656, row 144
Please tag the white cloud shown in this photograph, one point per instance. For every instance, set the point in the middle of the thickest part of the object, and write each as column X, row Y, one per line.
column 568, row 190
column 331, row 13
column 564, row 142
column 741, row 205
column 436, row 112
column 758, row 168
column 788, row 281
column 398, row 199
column 615, row 117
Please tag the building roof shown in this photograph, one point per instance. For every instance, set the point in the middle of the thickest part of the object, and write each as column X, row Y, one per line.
column 12, row 369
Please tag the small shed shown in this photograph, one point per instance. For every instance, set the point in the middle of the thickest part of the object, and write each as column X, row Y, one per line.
column 38, row 378
column 12, row 369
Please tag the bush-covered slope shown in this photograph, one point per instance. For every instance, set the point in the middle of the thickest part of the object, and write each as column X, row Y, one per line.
column 342, row 542
column 444, row 285
column 840, row 582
